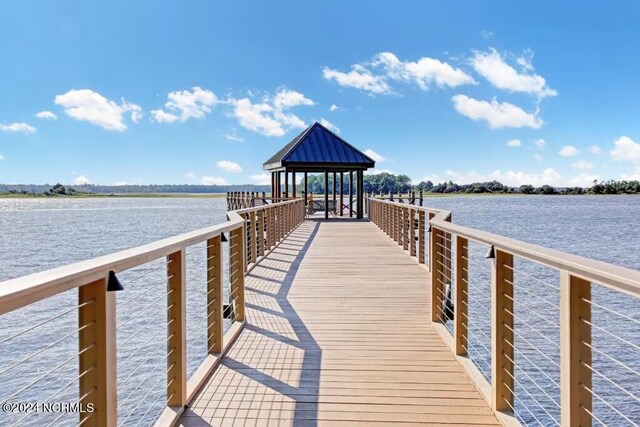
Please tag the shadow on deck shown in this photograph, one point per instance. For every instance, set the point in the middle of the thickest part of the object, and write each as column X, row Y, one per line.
column 337, row 333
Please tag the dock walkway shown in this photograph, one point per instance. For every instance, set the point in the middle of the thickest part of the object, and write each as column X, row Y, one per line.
column 338, row 332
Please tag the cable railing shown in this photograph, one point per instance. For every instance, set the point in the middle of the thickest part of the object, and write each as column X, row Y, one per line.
column 549, row 338
column 74, row 351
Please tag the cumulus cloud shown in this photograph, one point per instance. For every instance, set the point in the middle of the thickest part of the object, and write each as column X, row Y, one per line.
column 46, row 115
column 594, row 149
column 326, row 123
column 625, row 149
column 548, row 176
column 568, row 151
column 582, row 165
column 583, row 180
column 261, row 179
column 514, row 143
column 333, row 107
column 360, row 78
column 374, row 76
column 229, row 166
column 89, row 106
column 123, row 183
column 186, row 104
column 233, row 136
column 375, row 156
column 540, row 143
column 212, row 180
column 496, row 114
column 18, row 127
column 81, row 180
column 271, row 116
column 378, row 171
column 495, row 69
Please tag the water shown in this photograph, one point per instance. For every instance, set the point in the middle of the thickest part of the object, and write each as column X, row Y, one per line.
column 38, row 234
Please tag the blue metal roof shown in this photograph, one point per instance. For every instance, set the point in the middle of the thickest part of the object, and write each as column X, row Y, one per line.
column 318, row 147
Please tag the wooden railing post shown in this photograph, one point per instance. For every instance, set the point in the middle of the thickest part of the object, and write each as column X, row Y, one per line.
column 405, row 229
column 237, row 246
column 421, row 231
column 502, row 351
column 176, row 330
column 437, row 276
column 97, row 353
column 412, row 232
column 214, row 296
column 430, row 242
column 575, row 351
column 271, row 227
column 260, row 239
column 460, row 307
column 253, row 233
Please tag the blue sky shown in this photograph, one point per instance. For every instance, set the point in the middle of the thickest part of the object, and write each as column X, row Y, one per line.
column 203, row 92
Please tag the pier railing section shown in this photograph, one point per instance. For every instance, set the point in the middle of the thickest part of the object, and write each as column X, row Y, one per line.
column 137, row 356
column 549, row 338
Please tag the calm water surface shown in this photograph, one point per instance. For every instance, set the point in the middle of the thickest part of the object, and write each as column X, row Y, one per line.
column 39, row 234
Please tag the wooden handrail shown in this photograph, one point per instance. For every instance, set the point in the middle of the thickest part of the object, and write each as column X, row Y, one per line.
column 264, row 225
column 577, row 274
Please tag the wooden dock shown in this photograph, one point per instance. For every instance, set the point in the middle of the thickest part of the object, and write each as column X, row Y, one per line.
column 338, row 332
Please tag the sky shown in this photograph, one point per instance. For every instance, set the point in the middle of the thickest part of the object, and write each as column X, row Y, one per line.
column 156, row 92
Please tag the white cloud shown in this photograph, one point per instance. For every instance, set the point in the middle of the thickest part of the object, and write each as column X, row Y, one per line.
column 326, row 123
column 287, row 98
column 538, row 157
column 261, row 179
column 582, row 165
column 594, row 149
column 360, row 78
column 191, row 175
column 512, row 178
column 497, row 114
column 492, row 67
column 633, row 176
column 568, row 151
column 228, row 166
column 212, row 180
column 89, row 106
column 375, row 156
column 162, row 116
column 272, row 116
column 378, row 171
column 486, row 34
column 540, row 143
column 424, row 72
column 123, row 183
column 1, row 157
column 233, row 136
column 583, row 180
column 184, row 105
column 81, row 180
column 46, row 115
column 514, row 143
column 18, row 127
column 626, row 149
column 333, row 107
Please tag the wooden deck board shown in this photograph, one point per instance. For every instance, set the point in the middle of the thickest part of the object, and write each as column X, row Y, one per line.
column 338, row 333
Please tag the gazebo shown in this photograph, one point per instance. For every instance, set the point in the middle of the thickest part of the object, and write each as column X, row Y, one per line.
column 318, row 150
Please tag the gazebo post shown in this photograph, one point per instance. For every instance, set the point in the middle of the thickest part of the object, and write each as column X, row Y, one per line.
column 286, row 184
column 279, row 179
column 273, row 185
column 334, row 191
column 293, row 184
column 341, row 192
column 350, row 194
column 360, row 195
column 326, row 194
column 306, row 189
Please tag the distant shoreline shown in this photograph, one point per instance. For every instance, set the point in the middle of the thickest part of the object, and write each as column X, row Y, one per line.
column 115, row 195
